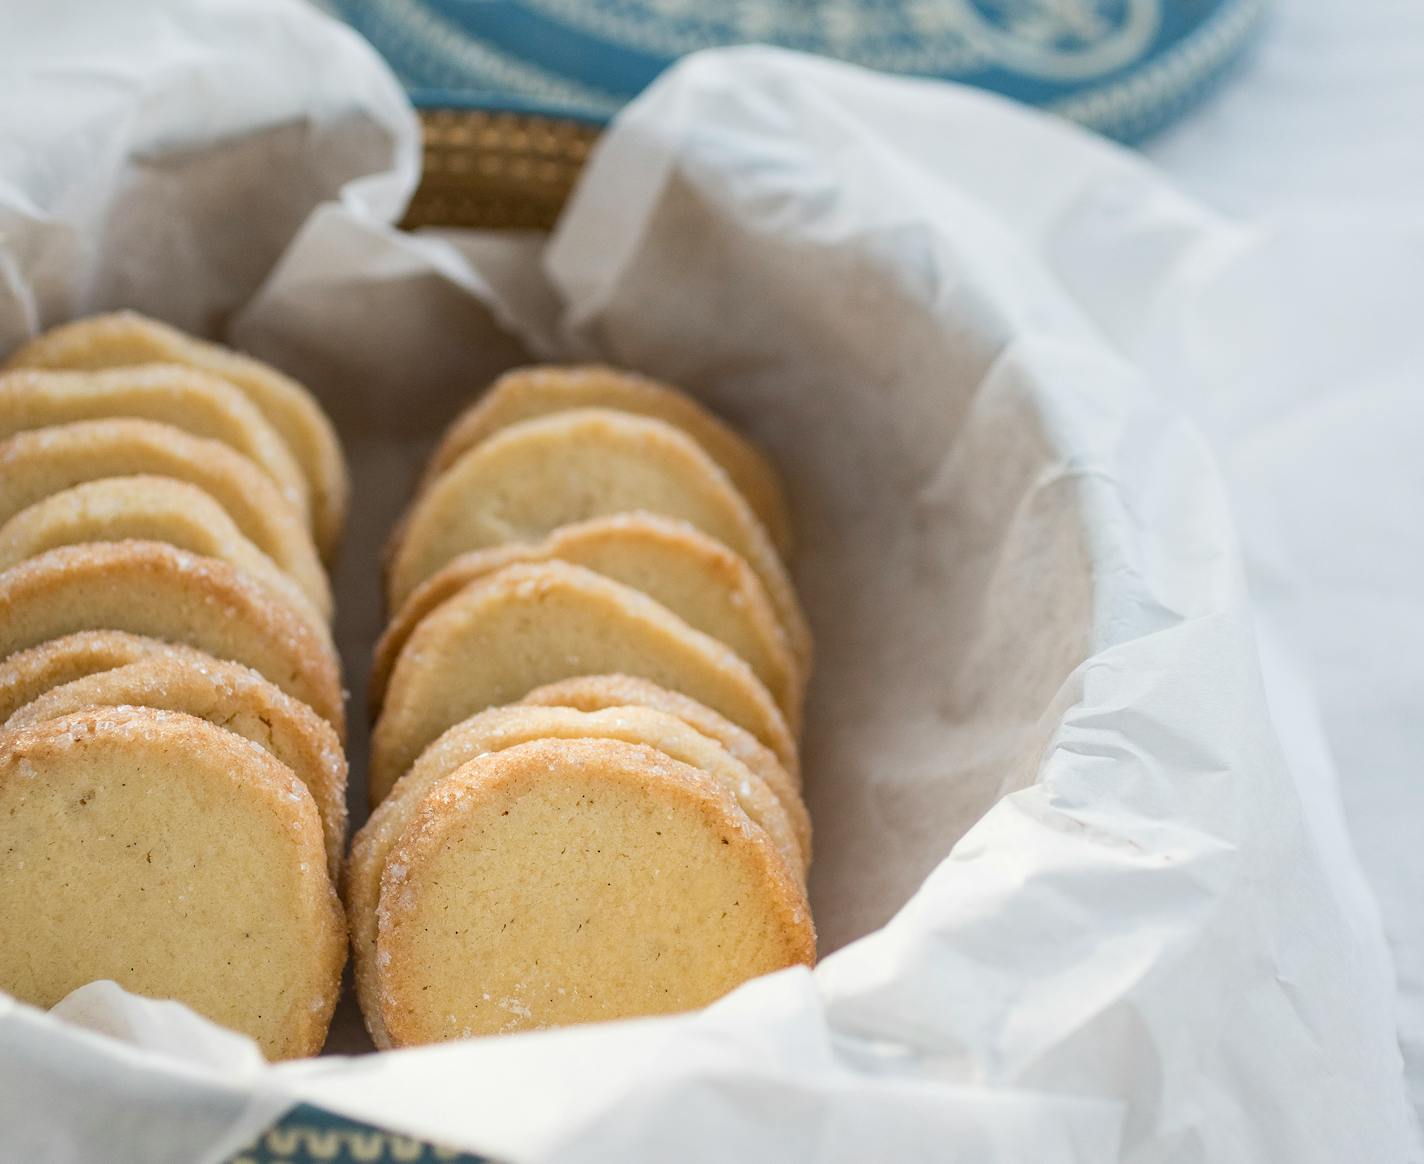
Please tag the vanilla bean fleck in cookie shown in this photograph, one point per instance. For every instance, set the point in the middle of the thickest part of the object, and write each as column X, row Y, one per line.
column 527, row 625
column 176, row 858
column 569, row 881
column 700, row 580
column 155, row 509
column 125, row 338
column 231, row 696
column 43, row 461
column 527, row 480
column 187, row 399
column 526, row 393
column 153, row 589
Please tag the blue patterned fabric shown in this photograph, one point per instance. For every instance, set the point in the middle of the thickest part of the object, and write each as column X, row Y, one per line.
column 1125, row 67
column 309, row 1135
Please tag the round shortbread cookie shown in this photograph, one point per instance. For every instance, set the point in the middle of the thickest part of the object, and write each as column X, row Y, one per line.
column 154, row 509
column 700, row 580
column 124, row 338
column 506, row 727
column 28, row 674
column 150, row 588
column 526, row 393
column 196, row 402
column 527, row 480
column 501, row 727
column 35, row 464
column 231, row 696
column 595, row 692
column 528, row 625
column 175, row 858
column 570, row 881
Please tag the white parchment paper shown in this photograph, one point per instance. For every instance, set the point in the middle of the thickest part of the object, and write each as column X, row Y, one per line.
column 1074, row 904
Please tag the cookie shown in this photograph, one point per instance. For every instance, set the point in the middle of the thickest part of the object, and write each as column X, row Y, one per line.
column 506, row 727
column 501, row 727
column 28, row 674
column 124, row 338
column 528, row 625
column 595, row 692
column 155, row 509
column 570, row 881
column 699, row 580
column 526, row 393
column 175, row 858
column 531, row 478
column 198, row 403
column 231, row 696
column 35, row 464
column 153, row 589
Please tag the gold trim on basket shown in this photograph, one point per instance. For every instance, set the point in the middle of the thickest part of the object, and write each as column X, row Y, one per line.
column 497, row 170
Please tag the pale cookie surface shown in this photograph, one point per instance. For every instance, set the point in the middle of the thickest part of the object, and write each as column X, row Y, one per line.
column 574, row 881
column 28, row 674
column 527, row 625
column 527, row 480
column 35, row 464
column 506, row 727
column 700, row 580
column 526, row 393
column 149, row 588
column 178, row 859
column 194, row 401
column 124, row 338
column 154, row 509
column 231, row 696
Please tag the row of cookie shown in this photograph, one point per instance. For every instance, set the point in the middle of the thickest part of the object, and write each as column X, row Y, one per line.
column 172, row 777
column 584, row 764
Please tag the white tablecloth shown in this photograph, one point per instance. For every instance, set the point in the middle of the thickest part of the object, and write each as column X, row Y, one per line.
column 1323, row 130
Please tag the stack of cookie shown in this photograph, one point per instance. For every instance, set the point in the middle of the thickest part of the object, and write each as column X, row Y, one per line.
column 584, row 764
column 172, row 779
